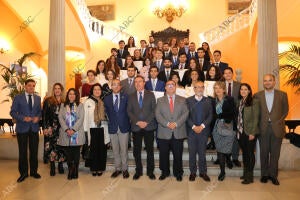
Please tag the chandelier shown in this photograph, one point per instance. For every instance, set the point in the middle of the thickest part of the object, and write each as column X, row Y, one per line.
column 169, row 8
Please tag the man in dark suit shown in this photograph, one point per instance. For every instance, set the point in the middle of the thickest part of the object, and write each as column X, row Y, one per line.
column 192, row 52
column 171, row 114
column 167, row 72
column 26, row 110
column 218, row 63
column 166, row 51
column 233, row 90
column 182, row 62
column 200, row 117
column 273, row 110
column 141, row 107
column 204, row 64
column 128, row 83
column 144, row 49
column 151, row 41
column 154, row 84
column 174, row 57
column 118, row 127
column 122, row 52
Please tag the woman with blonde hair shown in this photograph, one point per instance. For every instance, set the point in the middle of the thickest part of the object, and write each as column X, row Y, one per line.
column 223, row 132
column 51, row 126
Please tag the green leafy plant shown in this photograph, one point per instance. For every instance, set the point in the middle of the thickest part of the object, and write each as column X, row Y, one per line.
column 289, row 62
column 14, row 81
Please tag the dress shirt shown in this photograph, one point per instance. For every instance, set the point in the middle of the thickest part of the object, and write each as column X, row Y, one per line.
column 269, row 99
column 114, row 98
column 227, row 83
column 27, row 98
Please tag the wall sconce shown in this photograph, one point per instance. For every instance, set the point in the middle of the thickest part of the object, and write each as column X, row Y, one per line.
column 169, row 9
column 4, row 46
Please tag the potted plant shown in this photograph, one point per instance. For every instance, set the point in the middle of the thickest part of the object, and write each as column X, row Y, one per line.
column 289, row 62
column 15, row 79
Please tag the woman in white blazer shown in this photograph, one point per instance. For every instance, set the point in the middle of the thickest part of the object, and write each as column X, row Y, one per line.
column 95, row 125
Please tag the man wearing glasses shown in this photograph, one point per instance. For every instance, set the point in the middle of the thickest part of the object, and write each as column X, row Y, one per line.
column 171, row 114
column 200, row 117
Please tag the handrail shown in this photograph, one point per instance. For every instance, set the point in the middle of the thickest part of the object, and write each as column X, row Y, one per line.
column 96, row 28
column 230, row 25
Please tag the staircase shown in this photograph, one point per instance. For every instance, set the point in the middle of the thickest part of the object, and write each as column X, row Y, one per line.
column 231, row 25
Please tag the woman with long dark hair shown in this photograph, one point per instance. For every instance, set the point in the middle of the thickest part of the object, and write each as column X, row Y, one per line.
column 71, row 134
column 95, row 128
column 213, row 74
column 85, row 89
column 100, row 72
column 247, row 127
column 51, row 126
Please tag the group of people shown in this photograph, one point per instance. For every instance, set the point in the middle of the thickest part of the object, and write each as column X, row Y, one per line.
column 114, row 109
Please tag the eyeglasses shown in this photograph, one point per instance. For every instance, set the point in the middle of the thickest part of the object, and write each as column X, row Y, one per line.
column 170, row 85
column 198, row 87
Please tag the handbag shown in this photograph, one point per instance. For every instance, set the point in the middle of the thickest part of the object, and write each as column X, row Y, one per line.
column 225, row 129
column 86, row 150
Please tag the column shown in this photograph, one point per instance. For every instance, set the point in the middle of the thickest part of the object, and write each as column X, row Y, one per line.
column 267, row 41
column 56, row 51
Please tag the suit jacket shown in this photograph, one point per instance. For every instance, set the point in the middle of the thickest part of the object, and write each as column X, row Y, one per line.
column 222, row 66
column 250, row 118
column 125, row 53
column 146, row 113
column 189, row 56
column 235, row 91
column 159, row 87
column 277, row 115
column 228, row 111
column 20, row 109
column 118, row 119
column 174, row 61
column 161, row 67
column 163, row 77
column 206, row 65
column 197, row 117
column 185, row 66
column 164, row 115
column 126, row 88
column 64, row 139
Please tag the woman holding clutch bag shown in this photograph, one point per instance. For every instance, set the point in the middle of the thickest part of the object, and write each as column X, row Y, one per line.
column 95, row 125
column 223, row 132
column 71, row 134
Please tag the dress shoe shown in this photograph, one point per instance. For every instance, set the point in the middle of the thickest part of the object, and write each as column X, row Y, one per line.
column 247, row 181
column 151, row 176
column 163, row 177
column 205, row 177
column 221, row 176
column 35, row 175
column 229, row 164
column 237, row 163
column 192, row 177
column 99, row 173
column 264, row 179
column 115, row 174
column 136, row 176
column 242, row 177
column 179, row 178
column 274, row 180
column 125, row 174
column 22, row 178
column 217, row 162
column 94, row 173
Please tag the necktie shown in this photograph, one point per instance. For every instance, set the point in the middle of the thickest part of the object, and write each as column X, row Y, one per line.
column 180, row 66
column 201, row 63
column 141, row 100
column 116, row 104
column 192, row 54
column 171, row 104
column 130, row 81
column 121, row 52
column 168, row 74
column 229, row 89
column 30, row 102
column 153, row 85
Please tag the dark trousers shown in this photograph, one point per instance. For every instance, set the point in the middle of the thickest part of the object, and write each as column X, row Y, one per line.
column 137, row 148
column 73, row 154
column 247, row 147
column 270, row 147
column 165, row 146
column 222, row 158
column 98, row 150
column 197, row 145
column 23, row 140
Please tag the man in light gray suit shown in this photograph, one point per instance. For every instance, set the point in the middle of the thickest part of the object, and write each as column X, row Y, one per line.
column 171, row 114
column 274, row 109
column 129, row 88
column 140, row 109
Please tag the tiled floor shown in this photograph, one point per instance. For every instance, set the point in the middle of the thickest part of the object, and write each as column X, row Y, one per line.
column 88, row 187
